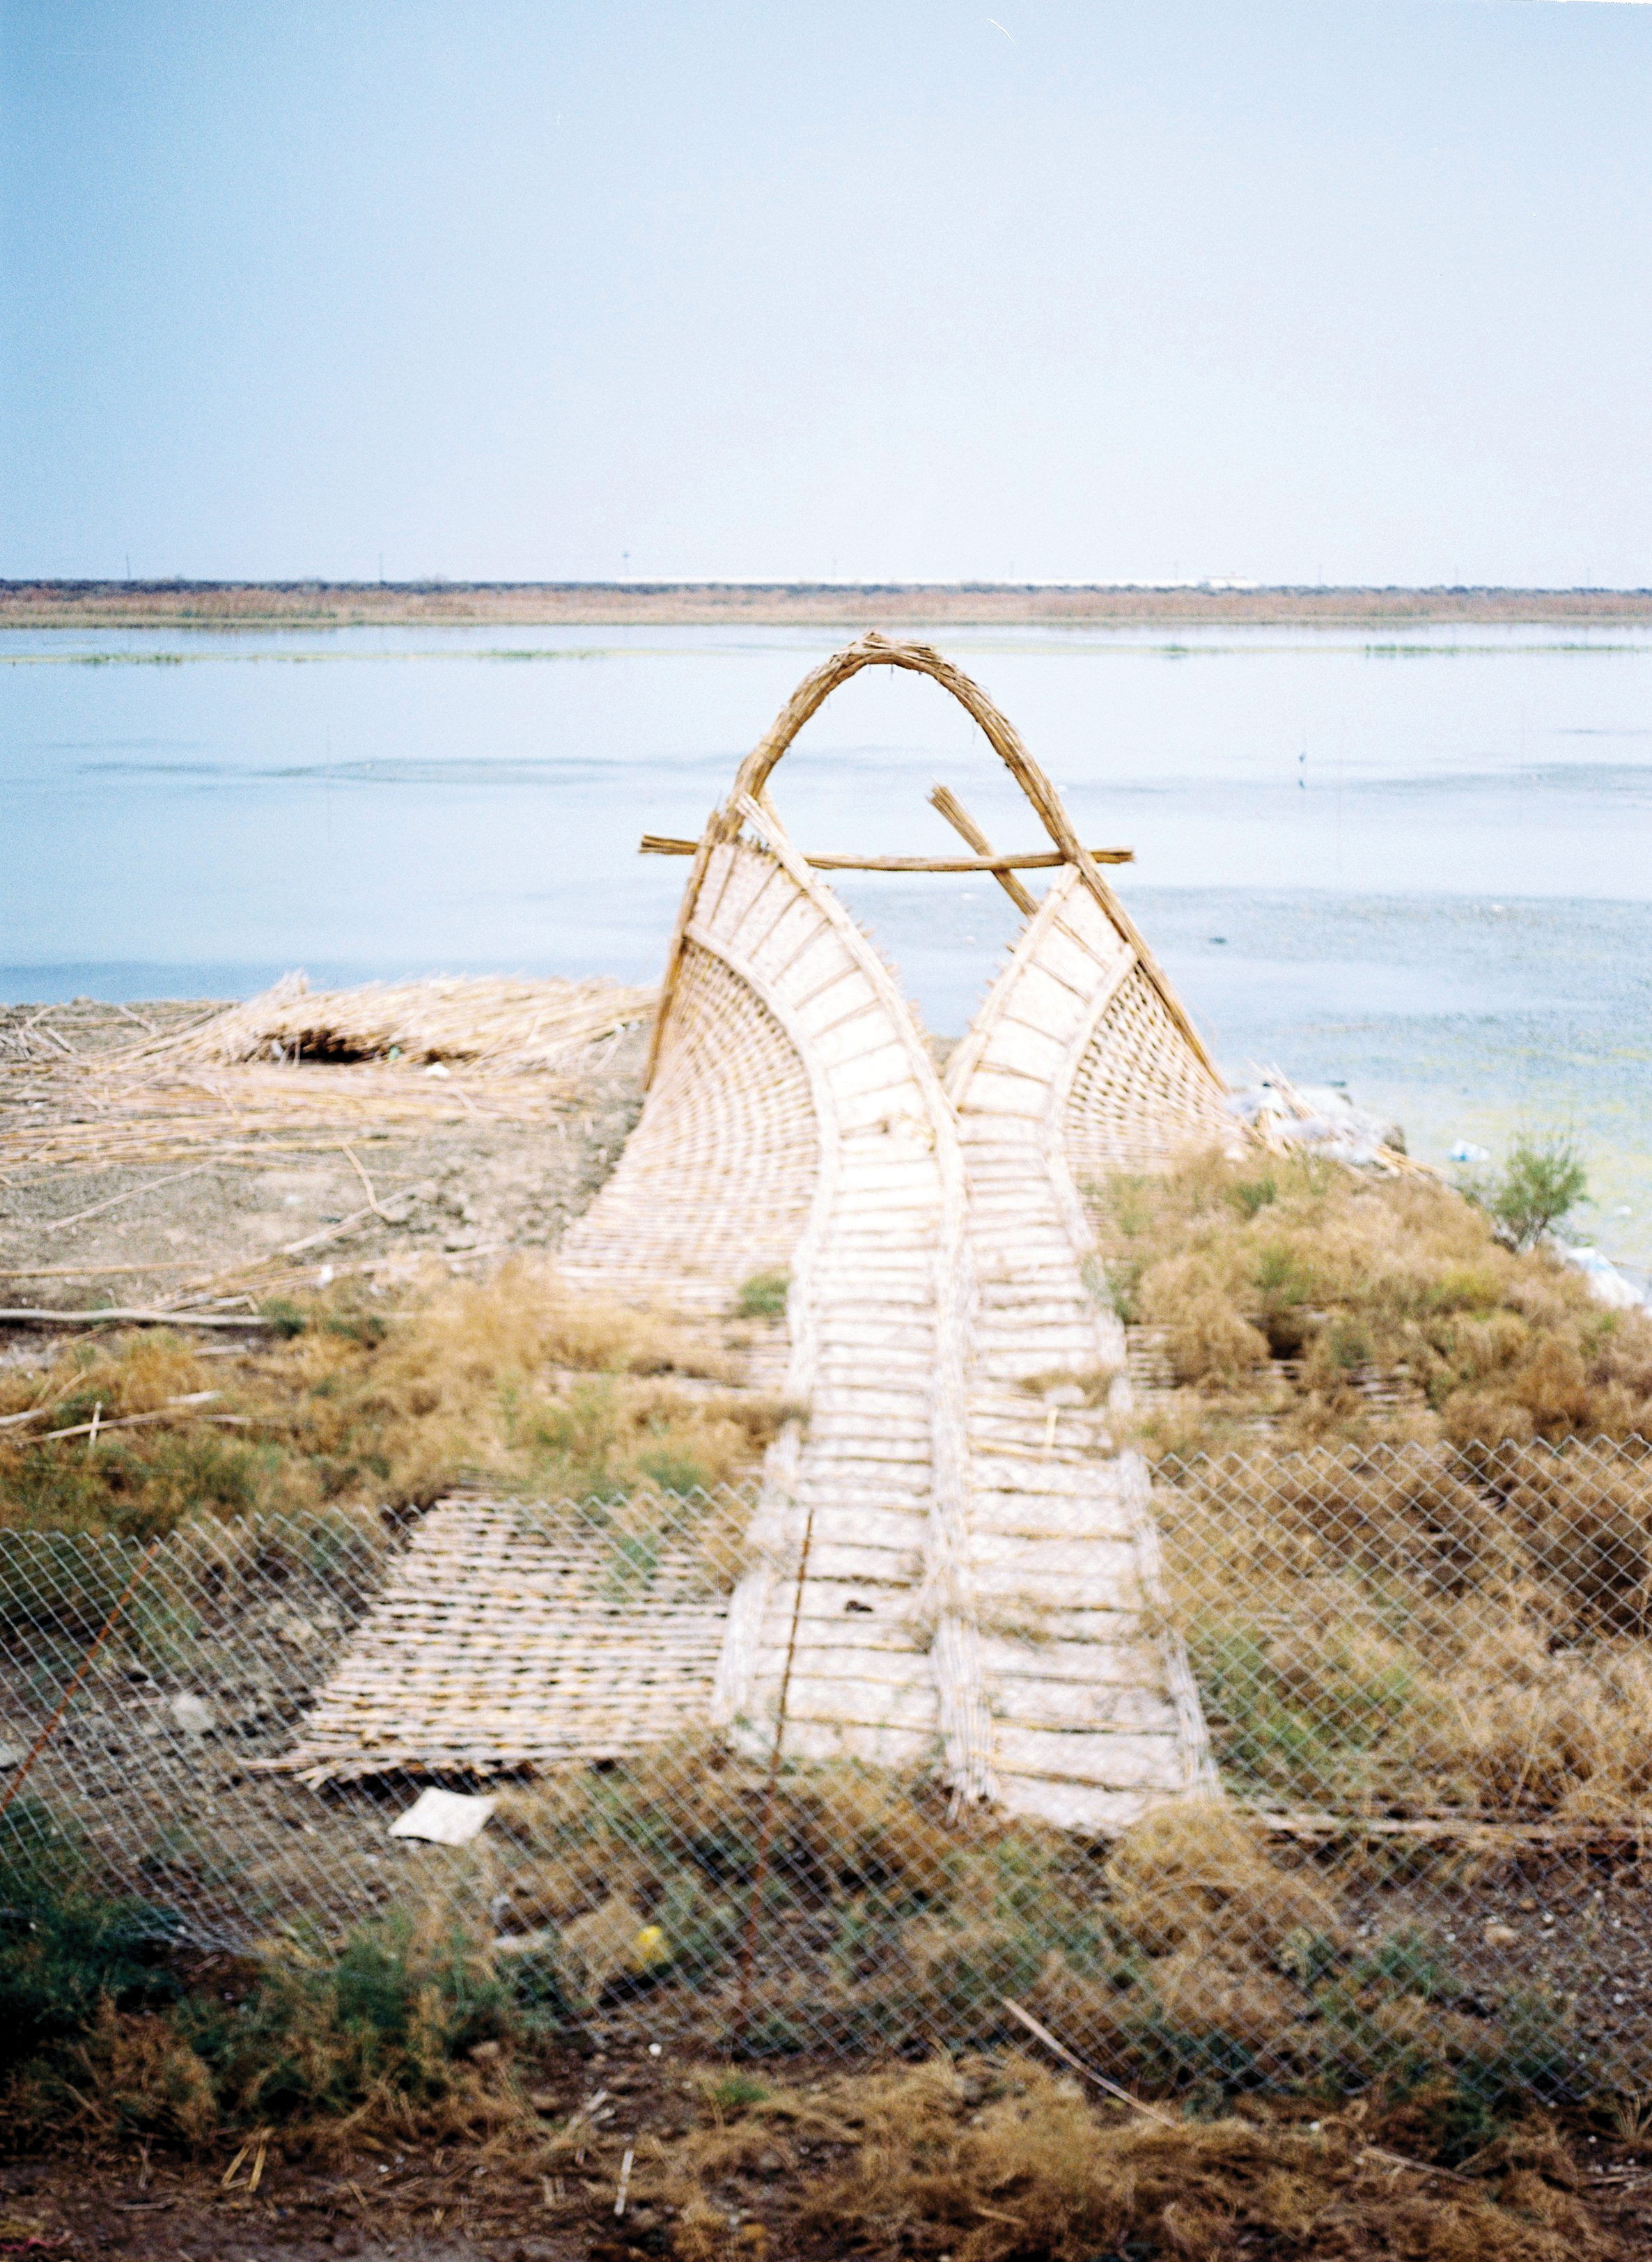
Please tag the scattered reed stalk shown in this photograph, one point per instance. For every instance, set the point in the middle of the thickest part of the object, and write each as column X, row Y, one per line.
column 516, row 1049
column 496, row 1027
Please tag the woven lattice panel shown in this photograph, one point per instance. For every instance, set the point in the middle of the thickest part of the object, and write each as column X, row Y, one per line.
column 1140, row 1092
column 509, row 1636
column 716, row 1180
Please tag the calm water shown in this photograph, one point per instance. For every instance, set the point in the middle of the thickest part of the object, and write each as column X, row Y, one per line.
column 1415, row 862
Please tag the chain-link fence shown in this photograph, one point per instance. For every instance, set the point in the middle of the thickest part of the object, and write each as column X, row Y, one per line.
column 1425, row 1676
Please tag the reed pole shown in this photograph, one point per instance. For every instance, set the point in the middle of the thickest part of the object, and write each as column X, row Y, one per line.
column 766, row 1830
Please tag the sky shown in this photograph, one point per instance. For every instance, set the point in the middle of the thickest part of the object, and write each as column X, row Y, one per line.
column 1355, row 291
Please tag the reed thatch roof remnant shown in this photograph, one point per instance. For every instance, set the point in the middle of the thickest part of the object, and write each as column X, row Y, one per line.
column 505, row 1077
column 294, row 1063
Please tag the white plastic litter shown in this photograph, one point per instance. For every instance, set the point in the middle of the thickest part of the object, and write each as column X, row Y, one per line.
column 524, row 1943
column 1320, row 1117
column 1466, row 1151
column 1607, row 1284
column 443, row 1817
column 193, row 1714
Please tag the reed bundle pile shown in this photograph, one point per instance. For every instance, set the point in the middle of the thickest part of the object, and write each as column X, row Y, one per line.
column 496, row 1027
column 294, row 1067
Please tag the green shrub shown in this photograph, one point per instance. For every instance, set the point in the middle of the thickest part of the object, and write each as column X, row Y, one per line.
column 1300, row 1722
column 389, row 2013
column 1409, row 1961
column 42, row 1853
column 64, row 1948
column 1543, row 1180
column 763, row 1297
column 735, row 2092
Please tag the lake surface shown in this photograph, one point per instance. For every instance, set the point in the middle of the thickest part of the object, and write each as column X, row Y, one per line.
column 1415, row 862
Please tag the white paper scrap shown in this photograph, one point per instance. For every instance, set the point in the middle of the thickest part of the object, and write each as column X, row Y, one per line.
column 443, row 1817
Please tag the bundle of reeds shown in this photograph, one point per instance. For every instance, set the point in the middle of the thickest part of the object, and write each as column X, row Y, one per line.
column 492, row 1024
column 294, row 1065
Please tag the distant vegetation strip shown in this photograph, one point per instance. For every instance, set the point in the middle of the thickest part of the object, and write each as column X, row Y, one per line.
column 339, row 604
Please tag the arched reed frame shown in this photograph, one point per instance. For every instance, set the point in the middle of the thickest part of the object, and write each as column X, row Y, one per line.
column 875, row 651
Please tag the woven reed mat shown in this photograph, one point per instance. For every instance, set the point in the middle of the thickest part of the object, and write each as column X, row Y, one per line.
column 511, row 1635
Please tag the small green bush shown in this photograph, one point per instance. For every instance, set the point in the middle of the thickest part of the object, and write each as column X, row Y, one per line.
column 735, row 2092
column 64, row 1948
column 1543, row 1181
column 763, row 1297
column 320, row 2032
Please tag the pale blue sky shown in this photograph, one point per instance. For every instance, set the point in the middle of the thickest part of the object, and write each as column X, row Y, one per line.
column 1355, row 290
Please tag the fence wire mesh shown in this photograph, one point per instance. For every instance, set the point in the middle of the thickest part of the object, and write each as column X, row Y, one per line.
column 1426, row 1674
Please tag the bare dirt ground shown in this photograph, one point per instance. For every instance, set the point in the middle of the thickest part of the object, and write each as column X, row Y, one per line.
column 451, row 2202
column 273, row 1205
column 97, row 2201
column 335, row 604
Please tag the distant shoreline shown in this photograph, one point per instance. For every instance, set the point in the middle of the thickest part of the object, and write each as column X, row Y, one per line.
column 776, row 604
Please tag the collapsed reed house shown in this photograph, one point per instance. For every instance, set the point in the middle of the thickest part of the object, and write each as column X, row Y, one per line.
column 981, row 1561
column 951, row 1552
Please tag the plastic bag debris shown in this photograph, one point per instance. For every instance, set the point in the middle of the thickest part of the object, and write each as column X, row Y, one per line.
column 443, row 1817
column 1320, row 1117
column 1607, row 1284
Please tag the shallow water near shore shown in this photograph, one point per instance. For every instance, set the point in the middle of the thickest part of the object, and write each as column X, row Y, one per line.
column 1417, row 863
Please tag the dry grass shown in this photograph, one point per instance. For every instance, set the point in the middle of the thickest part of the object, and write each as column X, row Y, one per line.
column 986, row 2160
column 1412, row 1632
column 425, row 2036
column 1437, row 1601
column 513, row 1380
column 1194, row 1876
column 1286, row 1258
column 981, row 2158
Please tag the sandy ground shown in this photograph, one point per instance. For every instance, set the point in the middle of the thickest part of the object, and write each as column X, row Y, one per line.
column 467, row 1190
column 906, row 605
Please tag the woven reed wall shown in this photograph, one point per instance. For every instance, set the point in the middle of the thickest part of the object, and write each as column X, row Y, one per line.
column 716, row 1181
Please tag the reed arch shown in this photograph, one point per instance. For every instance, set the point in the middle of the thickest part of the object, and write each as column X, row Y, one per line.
column 748, row 801
column 875, row 651
column 918, row 1502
